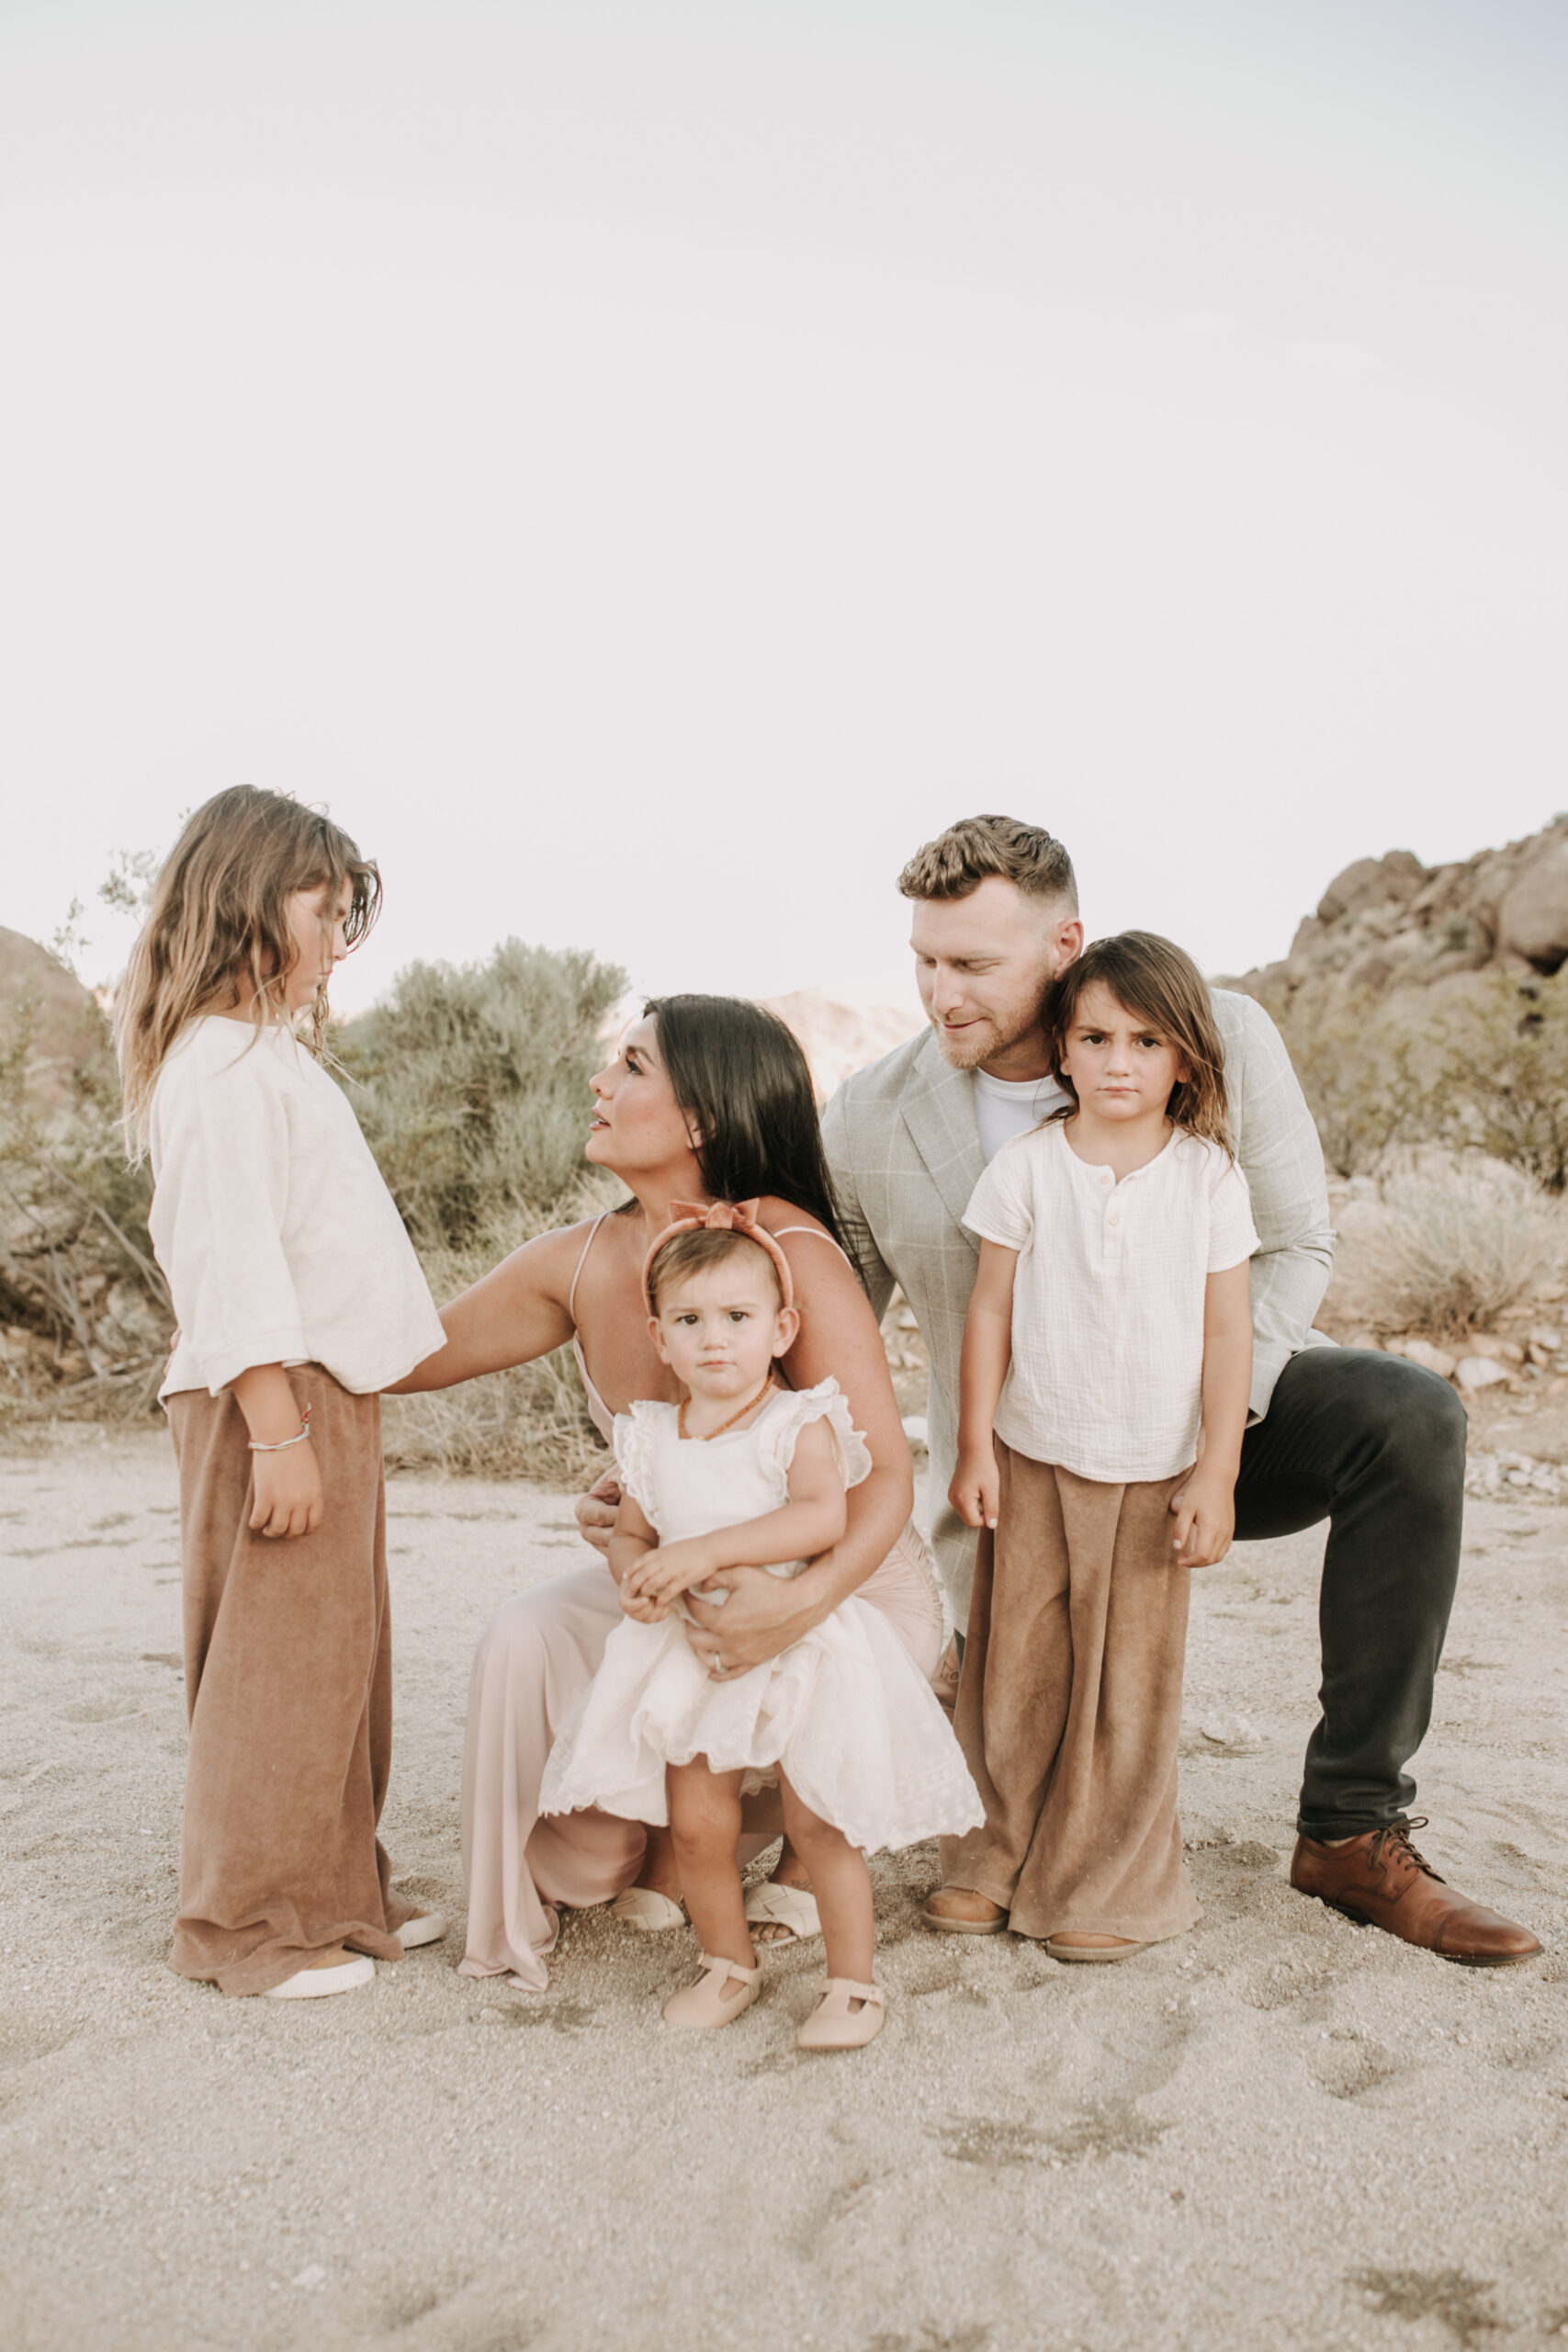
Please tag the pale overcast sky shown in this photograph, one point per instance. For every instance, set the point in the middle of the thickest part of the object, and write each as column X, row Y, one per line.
column 649, row 466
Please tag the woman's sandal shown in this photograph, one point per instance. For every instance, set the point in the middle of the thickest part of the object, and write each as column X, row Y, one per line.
column 793, row 1908
column 1122, row 1949
column 709, row 2002
column 644, row 1908
column 834, row 2025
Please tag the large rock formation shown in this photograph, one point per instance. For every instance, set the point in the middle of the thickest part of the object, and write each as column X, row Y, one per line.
column 1390, row 921
column 64, row 1028
column 840, row 1037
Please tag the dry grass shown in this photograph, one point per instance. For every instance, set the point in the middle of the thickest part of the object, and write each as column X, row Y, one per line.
column 1449, row 1245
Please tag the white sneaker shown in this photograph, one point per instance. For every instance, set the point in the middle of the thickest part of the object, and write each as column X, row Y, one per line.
column 315, row 1983
column 427, row 1929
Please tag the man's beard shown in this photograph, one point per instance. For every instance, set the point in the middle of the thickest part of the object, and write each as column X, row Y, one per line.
column 986, row 1037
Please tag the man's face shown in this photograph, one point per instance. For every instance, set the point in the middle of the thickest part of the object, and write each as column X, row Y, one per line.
column 984, row 964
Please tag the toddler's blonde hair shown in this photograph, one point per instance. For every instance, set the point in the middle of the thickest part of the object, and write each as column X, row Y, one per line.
column 220, row 910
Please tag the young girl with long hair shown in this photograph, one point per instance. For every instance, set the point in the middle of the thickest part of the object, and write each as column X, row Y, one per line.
column 299, row 1298
column 1104, row 1396
column 745, row 1472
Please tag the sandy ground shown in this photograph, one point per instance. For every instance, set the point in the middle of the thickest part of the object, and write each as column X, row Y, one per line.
column 1276, row 2132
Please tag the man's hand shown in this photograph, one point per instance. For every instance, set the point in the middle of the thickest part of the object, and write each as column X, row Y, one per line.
column 975, row 1491
column 1204, row 1508
column 596, row 1511
column 286, row 1491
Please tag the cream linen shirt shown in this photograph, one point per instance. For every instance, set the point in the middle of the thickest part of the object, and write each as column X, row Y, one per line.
column 1107, row 1369
column 280, row 1242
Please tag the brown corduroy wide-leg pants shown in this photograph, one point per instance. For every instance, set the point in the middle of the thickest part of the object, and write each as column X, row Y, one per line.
column 1069, row 1708
column 289, row 1692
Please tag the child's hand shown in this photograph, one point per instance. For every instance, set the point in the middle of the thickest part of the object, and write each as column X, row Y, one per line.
column 637, row 1605
column 670, row 1569
column 975, row 1491
column 1204, row 1507
column 286, row 1491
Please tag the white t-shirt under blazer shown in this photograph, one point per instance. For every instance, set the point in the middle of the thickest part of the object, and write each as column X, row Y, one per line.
column 1107, row 1369
column 280, row 1242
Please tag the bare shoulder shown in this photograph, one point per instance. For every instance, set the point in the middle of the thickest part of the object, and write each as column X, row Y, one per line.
column 548, row 1263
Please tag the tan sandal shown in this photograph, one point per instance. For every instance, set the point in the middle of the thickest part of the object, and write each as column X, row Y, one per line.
column 834, row 2025
column 709, row 2002
column 644, row 1908
column 1121, row 1948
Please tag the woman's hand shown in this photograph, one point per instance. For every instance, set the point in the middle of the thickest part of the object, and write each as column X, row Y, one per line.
column 1204, row 1507
column 975, row 1491
column 595, row 1511
column 762, row 1616
column 286, row 1491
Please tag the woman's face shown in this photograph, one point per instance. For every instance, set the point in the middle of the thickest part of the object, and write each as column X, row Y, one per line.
column 637, row 1125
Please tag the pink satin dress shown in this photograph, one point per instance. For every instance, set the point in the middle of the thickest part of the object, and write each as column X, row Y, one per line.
column 539, row 1653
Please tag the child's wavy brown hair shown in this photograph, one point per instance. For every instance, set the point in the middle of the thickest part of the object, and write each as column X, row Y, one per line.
column 1152, row 977
column 220, row 910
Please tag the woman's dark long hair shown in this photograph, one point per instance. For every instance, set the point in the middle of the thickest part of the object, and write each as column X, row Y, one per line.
column 742, row 1080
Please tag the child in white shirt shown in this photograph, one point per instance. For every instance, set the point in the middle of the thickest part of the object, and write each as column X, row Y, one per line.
column 299, row 1298
column 1107, row 1357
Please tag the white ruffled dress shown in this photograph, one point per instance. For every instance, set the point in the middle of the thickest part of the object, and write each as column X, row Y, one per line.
column 844, row 1713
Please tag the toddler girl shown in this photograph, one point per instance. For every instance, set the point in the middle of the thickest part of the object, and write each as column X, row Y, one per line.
column 299, row 1298
column 1108, row 1342
column 745, row 1473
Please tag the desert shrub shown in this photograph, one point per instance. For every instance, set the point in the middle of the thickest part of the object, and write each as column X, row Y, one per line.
column 1502, row 1073
column 1367, row 1071
column 471, row 1084
column 1450, row 1244
column 85, row 1309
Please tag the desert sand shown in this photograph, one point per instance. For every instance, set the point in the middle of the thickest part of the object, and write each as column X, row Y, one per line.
column 1278, row 2131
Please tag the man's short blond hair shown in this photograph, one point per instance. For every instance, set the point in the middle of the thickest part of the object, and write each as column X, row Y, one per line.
column 967, row 854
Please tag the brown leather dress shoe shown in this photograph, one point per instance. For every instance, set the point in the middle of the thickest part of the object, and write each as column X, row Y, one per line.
column 1380, row 1880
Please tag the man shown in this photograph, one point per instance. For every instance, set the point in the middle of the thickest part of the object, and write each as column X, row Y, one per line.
column 1370, row 1443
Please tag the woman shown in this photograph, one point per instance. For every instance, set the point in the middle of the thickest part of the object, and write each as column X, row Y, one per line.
column 709, row 1099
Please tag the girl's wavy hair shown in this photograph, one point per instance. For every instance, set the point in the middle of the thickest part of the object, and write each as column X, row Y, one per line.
column 219, row 909
column 1152, row 977
column 742, row 1080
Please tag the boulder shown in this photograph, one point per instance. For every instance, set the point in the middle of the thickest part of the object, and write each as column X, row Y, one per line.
column 64, row 1025
column 1478, row 1372
column 1371, row 881
column 1423, row 1352
column 1532, row 919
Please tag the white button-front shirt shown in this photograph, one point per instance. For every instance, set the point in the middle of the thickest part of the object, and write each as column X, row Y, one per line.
column 1107, row 1366
column 280, row 1242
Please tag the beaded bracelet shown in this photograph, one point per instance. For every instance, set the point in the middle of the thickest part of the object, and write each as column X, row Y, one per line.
column 284, row 1443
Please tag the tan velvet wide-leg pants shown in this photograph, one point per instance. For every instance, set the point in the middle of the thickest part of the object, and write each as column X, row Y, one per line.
column 1069, row 1708
column 289, row 1692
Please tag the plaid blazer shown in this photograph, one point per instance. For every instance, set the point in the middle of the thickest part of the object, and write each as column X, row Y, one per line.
column 905, row 1155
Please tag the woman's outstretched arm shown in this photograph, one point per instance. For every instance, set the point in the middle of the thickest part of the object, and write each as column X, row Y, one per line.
column 510, row 1315
column 839, row 1335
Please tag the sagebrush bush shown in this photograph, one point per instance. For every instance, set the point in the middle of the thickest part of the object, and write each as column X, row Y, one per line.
column 1502, row 1073
column 1370, row 1075
column 470, row 1082
column 1449, row 1245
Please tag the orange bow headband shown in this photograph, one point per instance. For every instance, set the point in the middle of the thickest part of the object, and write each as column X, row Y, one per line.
column 723, row 1217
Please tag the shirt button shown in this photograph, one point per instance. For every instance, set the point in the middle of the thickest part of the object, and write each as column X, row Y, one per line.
column 1112, row 1219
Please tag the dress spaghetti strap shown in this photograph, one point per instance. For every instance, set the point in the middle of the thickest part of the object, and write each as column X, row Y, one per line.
column 815, row 1230
column 582, row 1261
column 599, row 1413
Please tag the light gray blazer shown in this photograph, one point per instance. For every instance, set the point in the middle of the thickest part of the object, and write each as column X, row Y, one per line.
column 905, row 1155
